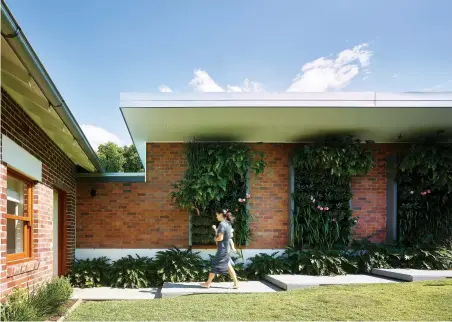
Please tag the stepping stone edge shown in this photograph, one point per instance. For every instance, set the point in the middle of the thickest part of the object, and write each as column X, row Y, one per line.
column 406, row 276
column 288, row 286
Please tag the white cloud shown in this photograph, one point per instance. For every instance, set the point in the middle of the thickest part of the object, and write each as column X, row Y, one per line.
column 97, row 136
column 248, row 86
column 325, row 74
column 165, row 89
column 202, row 82
column 395, row 75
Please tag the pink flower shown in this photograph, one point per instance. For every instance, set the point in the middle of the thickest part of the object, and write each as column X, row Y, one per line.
column 236, row 210
column 326, row 208
column 248, row 196
column 428, row 191
column 318, row 207
column 423, row 193
column 240, row 200
column 321, row 208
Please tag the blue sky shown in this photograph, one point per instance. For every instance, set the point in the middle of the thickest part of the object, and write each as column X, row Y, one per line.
column 96, row 49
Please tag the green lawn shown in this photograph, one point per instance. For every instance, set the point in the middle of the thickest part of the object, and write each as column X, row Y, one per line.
column 405, row 301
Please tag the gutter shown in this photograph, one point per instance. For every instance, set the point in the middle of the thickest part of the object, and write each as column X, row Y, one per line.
column 120, row 177
column 22, row 48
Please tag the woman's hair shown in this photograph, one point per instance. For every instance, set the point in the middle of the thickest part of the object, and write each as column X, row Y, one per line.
column 227, row 215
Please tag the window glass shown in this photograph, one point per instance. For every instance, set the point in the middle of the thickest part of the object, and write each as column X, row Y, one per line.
column 15, row 236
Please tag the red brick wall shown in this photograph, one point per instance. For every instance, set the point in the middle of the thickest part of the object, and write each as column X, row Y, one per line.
column 141, row 215
column 369, row 196
column 135, row 215
column 3, row 268
column 58, row 173
column 270, row 194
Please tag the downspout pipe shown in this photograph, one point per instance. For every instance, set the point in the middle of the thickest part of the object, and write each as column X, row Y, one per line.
column 22, row 48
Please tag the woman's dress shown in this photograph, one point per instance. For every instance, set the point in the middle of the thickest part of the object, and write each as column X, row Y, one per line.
column 220, row 262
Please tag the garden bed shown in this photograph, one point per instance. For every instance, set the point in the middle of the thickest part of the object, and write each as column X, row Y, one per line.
column 62, row 310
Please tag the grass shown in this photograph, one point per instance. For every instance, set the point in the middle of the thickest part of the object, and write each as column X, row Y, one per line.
column 404, row 301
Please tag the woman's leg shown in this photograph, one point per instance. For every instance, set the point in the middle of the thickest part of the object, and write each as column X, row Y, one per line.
column 209, row 280
column 233, row 275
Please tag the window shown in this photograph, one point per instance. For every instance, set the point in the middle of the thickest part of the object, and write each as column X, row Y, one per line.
column 18, row 215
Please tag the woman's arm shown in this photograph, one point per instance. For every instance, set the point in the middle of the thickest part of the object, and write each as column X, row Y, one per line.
column 231, row 243
column 219, row 237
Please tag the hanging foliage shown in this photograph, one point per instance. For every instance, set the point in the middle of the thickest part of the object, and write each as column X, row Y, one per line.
column 323, row 172
column 425, row 195
column 216, row 178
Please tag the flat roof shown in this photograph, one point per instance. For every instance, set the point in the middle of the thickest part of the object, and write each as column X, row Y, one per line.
column 283, row 117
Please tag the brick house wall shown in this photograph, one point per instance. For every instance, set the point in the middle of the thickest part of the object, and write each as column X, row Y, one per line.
column 135, row 215
column 141, row 215
column 369, row 196
column 58, row 172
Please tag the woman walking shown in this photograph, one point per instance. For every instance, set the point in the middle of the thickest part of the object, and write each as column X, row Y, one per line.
column 220, row 263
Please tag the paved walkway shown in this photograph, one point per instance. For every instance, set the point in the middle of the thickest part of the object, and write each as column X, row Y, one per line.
column 274, row 283
column 180, row 289
column 413, row 275
column 109, row 293
column 293, row 282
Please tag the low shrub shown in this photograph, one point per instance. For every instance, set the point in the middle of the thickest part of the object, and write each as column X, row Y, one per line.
column 263, row 264
column 426, row 259
column 318, row 262
column 175, row 265
column 368, row 256
column 17, row 307
column 38, row 304
column 88, row 273
column 48, row 297
column 131, row 272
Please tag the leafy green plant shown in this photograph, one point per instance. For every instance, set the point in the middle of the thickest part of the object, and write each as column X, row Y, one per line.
column 264, row 264
column 49, row 296
column 17, row 307
column 175, row 265
column 323, row 173
column 216, row 178
column 368, row 256
column 425, row 195
column 87, row 273
column 131, row 272
column 426, row 259
column 37, row 304
column 318, row 262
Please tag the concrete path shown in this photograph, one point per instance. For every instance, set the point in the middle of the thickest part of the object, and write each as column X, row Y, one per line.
column 293, row 282
column 108, row 293
column 412, row 275
column 180, row 289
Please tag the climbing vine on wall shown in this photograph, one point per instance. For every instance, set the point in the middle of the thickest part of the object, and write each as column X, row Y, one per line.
column 323, row 173
column 216, row 178
column 425, row 195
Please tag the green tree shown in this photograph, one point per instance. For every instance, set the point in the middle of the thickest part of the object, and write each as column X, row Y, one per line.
column 133, row 163
column 119, row 159
column 111, row 157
